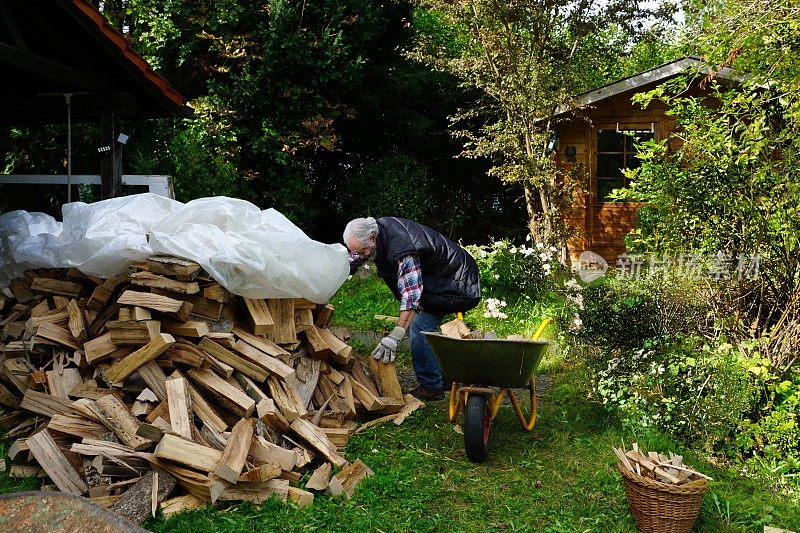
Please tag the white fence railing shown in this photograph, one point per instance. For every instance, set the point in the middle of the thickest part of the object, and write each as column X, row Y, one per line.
column 161, row 185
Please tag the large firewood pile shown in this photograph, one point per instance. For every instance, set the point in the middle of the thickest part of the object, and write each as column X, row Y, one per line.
column 159, row 387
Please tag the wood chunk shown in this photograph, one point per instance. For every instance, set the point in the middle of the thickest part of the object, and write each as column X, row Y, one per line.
column 17, row 371
column 307, row 376
column 385, row 375
column 266, row 361
column 289, row 404
column 367, row 398
column 7, row 398
column 201, row 307
column 21, row 291
column 347, row 479
column 316, row 344
column 135, row 504
column 262, row 473
column 191, row 328
column 99, row 349
column 412, row 404
column 133, row 332
column 58, row 287
column 641, row 459
column 264, row 452
column 455, row 329
column 318, row 440
column 127, row 366
column 185, row 354
column 324, row 316
column 256, row 492
column 234, row 399
column 197, row 484
column 57, row 334
column 235, row 453
column 243, row 365
column 338, row 436
column 103, row 292
column 258, row 316
column 61, row 383
column 320, row 479
column 56, row 464
column 172, row 266
column 163, row 304
column 282, row 312
column 260, row 343
column 187, row 453
column 155, row 378
column 303, row 319
column 148, row 279
column 77, row 426
column 341, row 351
column 77, row 322
column 45, row 404
column 42, row 308
column 179, row 402
column 21, row 471
column 117, row 418
column 301, row 498
column 179, row 504
column 217, row 292
column 623, row 459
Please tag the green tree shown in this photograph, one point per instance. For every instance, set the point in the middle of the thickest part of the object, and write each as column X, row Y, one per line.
column 733, row 185
column 519, row 56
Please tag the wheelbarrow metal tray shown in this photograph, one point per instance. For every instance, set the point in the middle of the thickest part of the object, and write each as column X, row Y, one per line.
column 497, row 362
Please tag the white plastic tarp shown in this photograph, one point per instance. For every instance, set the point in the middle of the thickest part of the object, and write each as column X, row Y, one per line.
column 253, row 253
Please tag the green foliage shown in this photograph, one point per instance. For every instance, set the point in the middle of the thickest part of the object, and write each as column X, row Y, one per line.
column 395, row 185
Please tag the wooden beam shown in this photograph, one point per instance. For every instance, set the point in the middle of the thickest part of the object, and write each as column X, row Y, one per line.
column 50, row 70
column 111, row 158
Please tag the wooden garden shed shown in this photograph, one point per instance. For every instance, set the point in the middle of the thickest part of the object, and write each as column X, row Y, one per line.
column 597, row 142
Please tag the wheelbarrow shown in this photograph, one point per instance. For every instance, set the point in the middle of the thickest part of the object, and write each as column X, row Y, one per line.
column 476, row 365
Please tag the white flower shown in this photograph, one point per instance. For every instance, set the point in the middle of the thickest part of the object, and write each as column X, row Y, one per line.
column 497, row 276
column 553, row 249
column 513, row 250
column 483, row 253
column 366, row 267
column 528, row 237
column 539, row 246
column 545, row 257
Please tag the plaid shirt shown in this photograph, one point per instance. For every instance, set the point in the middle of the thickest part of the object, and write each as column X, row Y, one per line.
column 409, row 283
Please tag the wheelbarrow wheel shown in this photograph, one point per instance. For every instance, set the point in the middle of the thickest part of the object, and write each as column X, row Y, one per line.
column 476, row 428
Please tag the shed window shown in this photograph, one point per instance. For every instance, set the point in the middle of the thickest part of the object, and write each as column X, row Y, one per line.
column 615, row 152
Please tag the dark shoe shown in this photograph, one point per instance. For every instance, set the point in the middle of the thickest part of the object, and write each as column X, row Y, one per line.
column 427, row 394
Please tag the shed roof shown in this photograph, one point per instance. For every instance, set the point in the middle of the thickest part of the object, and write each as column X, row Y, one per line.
column 51, row 47
column 638, row 81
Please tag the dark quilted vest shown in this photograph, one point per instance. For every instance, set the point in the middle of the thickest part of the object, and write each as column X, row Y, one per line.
column 450, row 278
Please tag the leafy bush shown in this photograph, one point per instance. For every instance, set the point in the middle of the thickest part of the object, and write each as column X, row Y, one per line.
column 700, row 394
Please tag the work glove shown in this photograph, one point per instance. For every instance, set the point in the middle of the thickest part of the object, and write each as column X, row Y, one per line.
column 387, row 348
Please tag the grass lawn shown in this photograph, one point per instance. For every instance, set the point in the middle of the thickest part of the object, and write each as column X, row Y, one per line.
column 423, row 481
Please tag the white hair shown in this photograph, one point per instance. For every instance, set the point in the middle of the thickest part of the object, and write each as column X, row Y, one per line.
column 360, row 229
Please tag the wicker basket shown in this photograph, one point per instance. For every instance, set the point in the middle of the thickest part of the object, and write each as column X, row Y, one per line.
column 660, row 507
